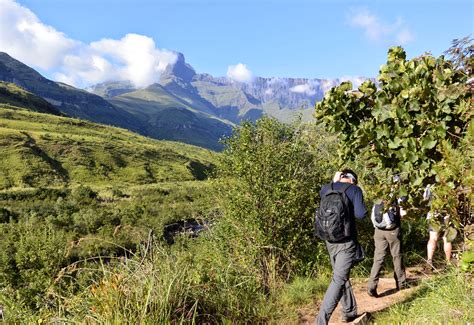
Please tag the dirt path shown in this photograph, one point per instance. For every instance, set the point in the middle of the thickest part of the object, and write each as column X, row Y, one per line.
column 388, row 296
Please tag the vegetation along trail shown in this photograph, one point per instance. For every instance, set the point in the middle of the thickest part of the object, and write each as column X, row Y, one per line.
column 100, row 225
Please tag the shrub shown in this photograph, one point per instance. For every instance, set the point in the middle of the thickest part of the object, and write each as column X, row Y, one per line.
column 269, row 178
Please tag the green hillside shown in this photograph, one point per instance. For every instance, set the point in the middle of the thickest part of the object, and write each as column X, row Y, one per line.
column 231, row 103
column 46, row 150
column 67, row 99
column 169, row 117
column 13, row 96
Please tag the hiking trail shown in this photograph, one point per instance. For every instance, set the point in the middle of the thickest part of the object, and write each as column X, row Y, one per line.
column 388, row 296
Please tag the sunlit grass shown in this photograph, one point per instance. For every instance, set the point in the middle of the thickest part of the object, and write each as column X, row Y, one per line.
column 444, row 299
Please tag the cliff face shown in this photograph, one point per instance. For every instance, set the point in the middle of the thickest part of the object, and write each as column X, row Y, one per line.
column 236, row 101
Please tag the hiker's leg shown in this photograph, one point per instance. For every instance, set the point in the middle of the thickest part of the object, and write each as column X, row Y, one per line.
column 343, row 255
column 394, row 240
column 381, row 245
column 448, row 247
column 322, row 318
column 348, row 301
column 431, row 247
column 346, row 261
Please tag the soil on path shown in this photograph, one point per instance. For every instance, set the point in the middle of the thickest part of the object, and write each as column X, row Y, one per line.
column 388, row 296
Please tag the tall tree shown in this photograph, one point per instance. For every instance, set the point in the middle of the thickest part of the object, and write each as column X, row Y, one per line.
column 409, row 122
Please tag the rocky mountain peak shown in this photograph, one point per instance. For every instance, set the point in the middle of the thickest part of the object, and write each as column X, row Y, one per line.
column 180, row 69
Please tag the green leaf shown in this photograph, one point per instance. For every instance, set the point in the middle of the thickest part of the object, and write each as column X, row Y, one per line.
column 411, row 157
column 450, row 234
column 395, row 143
column 368, row 88
column 417, row 181
column 403, row 191
column 382, row 131
column 345, row 86
column 428, row 142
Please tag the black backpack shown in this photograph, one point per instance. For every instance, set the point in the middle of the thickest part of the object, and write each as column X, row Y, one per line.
column 332, row 219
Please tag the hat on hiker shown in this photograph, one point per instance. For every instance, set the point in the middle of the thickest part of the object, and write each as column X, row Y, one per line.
column 349, row 173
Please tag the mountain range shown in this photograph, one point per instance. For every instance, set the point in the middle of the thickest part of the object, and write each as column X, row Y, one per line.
column 185, row 106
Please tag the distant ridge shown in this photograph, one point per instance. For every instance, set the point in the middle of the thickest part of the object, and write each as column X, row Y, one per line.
column 170, row 120
column 69, row 100
column 283, row 98
column 185, row 106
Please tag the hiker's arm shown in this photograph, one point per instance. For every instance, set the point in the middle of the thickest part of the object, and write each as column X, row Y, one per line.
column 359, row 207
column 402, row 211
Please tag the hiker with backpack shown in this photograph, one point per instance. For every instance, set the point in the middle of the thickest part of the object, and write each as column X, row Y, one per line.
column 387, row 234
column 341, row 202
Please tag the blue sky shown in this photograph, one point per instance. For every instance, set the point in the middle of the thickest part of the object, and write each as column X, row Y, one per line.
column 314, row 39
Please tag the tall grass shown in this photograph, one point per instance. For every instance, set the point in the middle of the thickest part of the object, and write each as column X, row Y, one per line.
column 191, row 282
column 445, row 299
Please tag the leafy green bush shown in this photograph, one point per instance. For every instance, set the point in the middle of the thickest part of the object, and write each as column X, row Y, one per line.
column 419, row 106
column 467, row 261
column 30, row 255
column 269, row 179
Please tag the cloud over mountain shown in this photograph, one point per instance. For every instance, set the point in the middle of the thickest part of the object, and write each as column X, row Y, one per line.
column 23, row 36
column 303, row 89
column 239, row 73
column 134, row 57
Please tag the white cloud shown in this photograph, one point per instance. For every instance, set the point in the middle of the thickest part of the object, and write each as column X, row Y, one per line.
column 303, row 89
column 24, row 37
column 239, row 73
column 134, row 57
column 377, row 30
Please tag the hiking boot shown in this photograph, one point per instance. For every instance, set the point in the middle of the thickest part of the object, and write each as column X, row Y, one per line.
column 347, row 319
column 373, row 293
column 429, row 268
column 403, row 286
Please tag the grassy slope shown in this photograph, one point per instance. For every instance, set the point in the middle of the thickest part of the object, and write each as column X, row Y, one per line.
column 286, row 114
column 170, row 118
column 445, row 299
column 14, row 96
column 46, row 150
